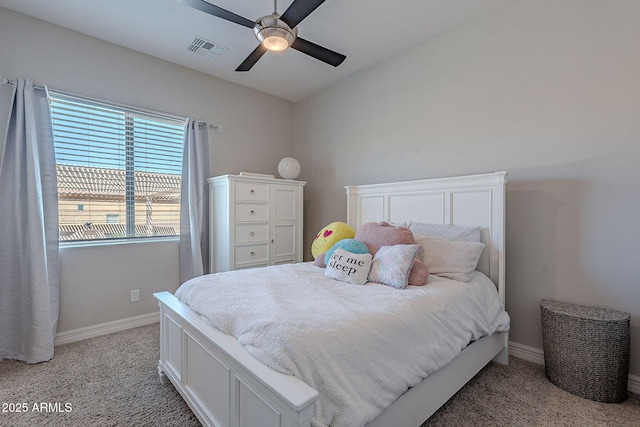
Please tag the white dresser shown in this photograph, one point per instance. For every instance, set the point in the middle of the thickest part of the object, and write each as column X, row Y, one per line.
column 254, row 221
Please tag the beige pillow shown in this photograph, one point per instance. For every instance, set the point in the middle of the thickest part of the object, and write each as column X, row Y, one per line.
column 448, row 258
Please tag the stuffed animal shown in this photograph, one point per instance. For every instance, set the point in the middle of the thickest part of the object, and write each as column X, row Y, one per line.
column 329, row 236
column 377, row 234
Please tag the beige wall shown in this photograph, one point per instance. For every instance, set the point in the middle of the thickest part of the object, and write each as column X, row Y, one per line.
column 96, row 281
column 547, row 90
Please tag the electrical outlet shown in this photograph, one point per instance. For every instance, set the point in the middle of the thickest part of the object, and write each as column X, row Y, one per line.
column 135, row 295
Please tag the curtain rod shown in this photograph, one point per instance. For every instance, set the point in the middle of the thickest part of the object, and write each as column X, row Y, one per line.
column 218, row 128
column 101, row 101
column 10, row 82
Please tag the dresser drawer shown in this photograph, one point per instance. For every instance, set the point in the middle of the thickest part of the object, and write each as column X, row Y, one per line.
column 252, row 253
column 252, row 212
column 246, row 233
column 251, row 191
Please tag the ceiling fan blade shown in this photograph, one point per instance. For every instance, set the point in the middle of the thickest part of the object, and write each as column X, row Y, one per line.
column 298, row 10
column 252, row 58
column 318, row 52
column 206, row 7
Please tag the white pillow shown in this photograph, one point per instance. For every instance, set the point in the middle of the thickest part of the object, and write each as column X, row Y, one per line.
column 449, row 258
column 392, row 264
column 348, row 267
column 451, row 232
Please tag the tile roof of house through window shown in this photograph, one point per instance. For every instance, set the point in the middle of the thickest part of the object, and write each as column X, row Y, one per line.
column 83, row 181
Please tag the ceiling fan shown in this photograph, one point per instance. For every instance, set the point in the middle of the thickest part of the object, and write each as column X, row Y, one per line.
column 275, row 32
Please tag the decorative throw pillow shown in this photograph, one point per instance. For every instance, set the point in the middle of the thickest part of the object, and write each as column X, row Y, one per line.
column 391, row 265
column 449, row 258
column 349, row 245
column 329, row 235
column 348, row 267
column 377, row 234
column 451, row 232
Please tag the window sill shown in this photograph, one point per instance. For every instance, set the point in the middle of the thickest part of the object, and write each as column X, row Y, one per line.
column 115, row 242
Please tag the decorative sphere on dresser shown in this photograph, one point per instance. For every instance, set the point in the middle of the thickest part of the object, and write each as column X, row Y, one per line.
column 289, row 168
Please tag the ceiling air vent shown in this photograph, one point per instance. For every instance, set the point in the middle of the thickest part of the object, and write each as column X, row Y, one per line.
column 206, row 48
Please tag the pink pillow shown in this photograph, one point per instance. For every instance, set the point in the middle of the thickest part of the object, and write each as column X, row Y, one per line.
column 377, row 234
column 319, row 261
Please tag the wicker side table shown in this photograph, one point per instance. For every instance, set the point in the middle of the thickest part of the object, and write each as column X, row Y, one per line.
column 586, row 350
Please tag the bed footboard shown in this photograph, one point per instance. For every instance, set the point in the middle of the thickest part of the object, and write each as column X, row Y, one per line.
column 220, row 381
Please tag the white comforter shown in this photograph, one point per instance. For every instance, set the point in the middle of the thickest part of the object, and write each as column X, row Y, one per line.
column 360, row 347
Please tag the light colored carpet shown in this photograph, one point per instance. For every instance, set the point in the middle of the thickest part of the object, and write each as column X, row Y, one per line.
column 112, row 381
column 108, row 381
column 520, row 395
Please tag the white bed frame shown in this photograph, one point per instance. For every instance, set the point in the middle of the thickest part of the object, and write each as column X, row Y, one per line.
column 225, row 386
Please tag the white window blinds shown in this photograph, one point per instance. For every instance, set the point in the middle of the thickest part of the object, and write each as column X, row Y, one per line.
column 118, row 170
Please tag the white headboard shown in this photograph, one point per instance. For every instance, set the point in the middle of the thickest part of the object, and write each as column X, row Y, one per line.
column 463, row 200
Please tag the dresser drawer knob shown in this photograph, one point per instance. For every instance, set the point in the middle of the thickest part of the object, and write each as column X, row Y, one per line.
column 253, row 253
column 253, row 191
column 253, row 233
column 253, row 212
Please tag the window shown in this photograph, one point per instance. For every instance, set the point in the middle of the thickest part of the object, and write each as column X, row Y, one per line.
column 119, row 170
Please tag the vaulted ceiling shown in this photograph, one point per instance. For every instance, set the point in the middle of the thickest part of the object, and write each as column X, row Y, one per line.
column 366, row 31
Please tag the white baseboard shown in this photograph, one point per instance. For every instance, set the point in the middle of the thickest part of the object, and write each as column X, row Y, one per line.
column 634, row 384
column 524, row 352
column 106, row 328
column 536, row 355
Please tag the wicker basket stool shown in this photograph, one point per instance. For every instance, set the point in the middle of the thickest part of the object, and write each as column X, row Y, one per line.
column 586, row 350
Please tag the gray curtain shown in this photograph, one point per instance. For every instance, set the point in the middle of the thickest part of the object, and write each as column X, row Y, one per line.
column 29, row 268
column 194, row 202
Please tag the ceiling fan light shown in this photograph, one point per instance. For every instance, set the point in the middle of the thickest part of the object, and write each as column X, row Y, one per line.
column 276, row 43
column 274, row 34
